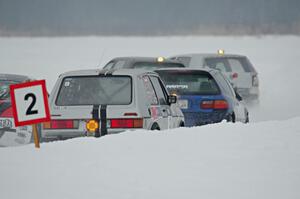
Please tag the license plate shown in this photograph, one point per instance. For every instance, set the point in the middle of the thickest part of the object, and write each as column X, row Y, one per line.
column 183, row 104
column 5, row 123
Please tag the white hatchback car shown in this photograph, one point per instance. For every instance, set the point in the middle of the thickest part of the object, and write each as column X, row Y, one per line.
column 97, row 102
column 237, row 68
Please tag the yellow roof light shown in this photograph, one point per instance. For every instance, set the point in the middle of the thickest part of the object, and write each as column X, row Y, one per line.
column 160, row 59
column 92, row 125
column 221, row 52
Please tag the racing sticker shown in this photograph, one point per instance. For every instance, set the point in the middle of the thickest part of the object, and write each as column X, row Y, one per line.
column 177, row 86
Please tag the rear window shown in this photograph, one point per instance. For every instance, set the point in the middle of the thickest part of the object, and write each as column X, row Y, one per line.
column 155, row 65
column 230, row 64
column 189, row 82
column 4, row 89
column 95, row 90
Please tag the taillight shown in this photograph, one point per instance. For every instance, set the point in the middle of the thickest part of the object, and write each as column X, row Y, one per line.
column 220, row 104
column 61, row 124
column 234, row 76
column 214, row 104
column 255, row 80
column 126, row 123
column 207, row 104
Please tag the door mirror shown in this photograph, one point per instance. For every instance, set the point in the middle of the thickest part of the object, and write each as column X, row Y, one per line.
column 172, row 99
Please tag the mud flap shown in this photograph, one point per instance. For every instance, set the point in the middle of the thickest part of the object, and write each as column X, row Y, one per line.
column 103, row 116
column 95, row 115
column 102, row 120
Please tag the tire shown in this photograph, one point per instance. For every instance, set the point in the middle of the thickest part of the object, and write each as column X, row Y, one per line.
column 181, row 124
column 155, row 127
column 247, row 118
column 231, row 118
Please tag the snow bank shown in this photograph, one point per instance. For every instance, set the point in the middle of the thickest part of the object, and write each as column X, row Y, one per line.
column 259, row 160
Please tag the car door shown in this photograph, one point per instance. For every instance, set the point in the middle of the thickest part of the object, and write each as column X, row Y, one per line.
column 176, row 116
column 164, row 107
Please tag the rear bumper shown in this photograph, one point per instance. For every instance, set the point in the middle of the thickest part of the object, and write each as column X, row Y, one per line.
column 65, row 134
column 202, row 118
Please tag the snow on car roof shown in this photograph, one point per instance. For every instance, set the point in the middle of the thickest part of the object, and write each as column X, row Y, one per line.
column 14, row 77
column 147, row 59
column 208, row 55
column 206, row 69
column 88, row 72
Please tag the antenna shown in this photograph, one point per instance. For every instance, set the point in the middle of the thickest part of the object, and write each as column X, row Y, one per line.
column 101, row 58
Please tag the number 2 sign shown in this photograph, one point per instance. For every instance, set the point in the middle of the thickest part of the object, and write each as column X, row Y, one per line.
column 30, row 103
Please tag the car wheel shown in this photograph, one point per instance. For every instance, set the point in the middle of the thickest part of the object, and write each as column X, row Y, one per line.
column 231, row 118
column 181, row 124
column 247, row 118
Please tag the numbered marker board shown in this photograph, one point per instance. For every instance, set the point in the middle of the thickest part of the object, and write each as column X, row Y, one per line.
column 30, row 103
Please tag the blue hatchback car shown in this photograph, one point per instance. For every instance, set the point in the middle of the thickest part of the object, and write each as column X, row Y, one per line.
column 204, row 95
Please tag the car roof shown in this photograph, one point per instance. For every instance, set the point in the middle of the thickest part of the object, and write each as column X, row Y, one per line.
column 14, row 77
column 206, row 69
column 204, row 55
column 144, row 59
column 91, row 72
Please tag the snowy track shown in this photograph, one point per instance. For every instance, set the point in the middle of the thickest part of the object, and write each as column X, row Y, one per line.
column 260, row 160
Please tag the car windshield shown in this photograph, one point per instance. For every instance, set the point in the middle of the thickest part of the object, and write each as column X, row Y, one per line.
column 95, row 90
column 4, row 89
column 156, row 65
column 189, row 82
column 230, row 64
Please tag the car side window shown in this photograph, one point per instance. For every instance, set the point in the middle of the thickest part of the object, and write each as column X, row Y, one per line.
column 109, row 65
column 236, row 65
column 220, row 64
column 163, row 87
column 119, row 64
column 158, row 90
column 150, row 94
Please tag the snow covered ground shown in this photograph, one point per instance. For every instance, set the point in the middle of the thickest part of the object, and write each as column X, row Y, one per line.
column 256, row 160
column 231, row 161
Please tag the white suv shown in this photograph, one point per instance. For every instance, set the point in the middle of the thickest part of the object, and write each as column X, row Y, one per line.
column 237, row 68
column 97, row 102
